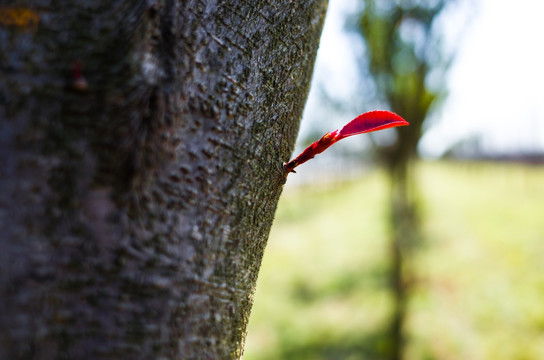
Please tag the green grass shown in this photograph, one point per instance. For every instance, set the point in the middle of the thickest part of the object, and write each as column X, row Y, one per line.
column 323, row 292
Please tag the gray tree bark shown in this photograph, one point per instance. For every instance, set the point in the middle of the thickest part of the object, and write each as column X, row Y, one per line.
column 140, row 143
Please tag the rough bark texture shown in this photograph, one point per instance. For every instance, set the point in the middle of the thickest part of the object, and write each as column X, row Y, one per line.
column 137, row 198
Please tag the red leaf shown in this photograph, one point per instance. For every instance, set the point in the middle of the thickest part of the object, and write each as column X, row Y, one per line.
column 367, row 122
column 372, row 121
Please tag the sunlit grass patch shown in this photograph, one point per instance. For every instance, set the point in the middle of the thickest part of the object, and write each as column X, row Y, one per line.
column 323, row 287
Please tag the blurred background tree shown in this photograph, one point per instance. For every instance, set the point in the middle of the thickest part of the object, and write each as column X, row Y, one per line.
column 477, row 294
column 402, row 51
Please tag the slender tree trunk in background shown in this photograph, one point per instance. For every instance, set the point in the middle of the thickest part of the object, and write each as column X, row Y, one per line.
column 404, row 225
column 399, row 65
column 405, row 236
column 140, row 142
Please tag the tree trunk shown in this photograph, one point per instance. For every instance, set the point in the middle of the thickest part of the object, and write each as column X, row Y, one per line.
column 405, row 238
column 140, row 148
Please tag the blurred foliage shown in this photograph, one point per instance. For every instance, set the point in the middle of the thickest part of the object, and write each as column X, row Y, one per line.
column 323, row 288
column 406, row 62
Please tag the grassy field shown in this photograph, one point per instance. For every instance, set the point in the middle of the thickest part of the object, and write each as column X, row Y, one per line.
column 323, row 289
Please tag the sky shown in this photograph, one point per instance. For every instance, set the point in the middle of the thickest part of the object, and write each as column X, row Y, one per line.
column 495, row 83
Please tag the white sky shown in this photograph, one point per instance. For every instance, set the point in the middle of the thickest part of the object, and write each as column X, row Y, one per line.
column 495, row 83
